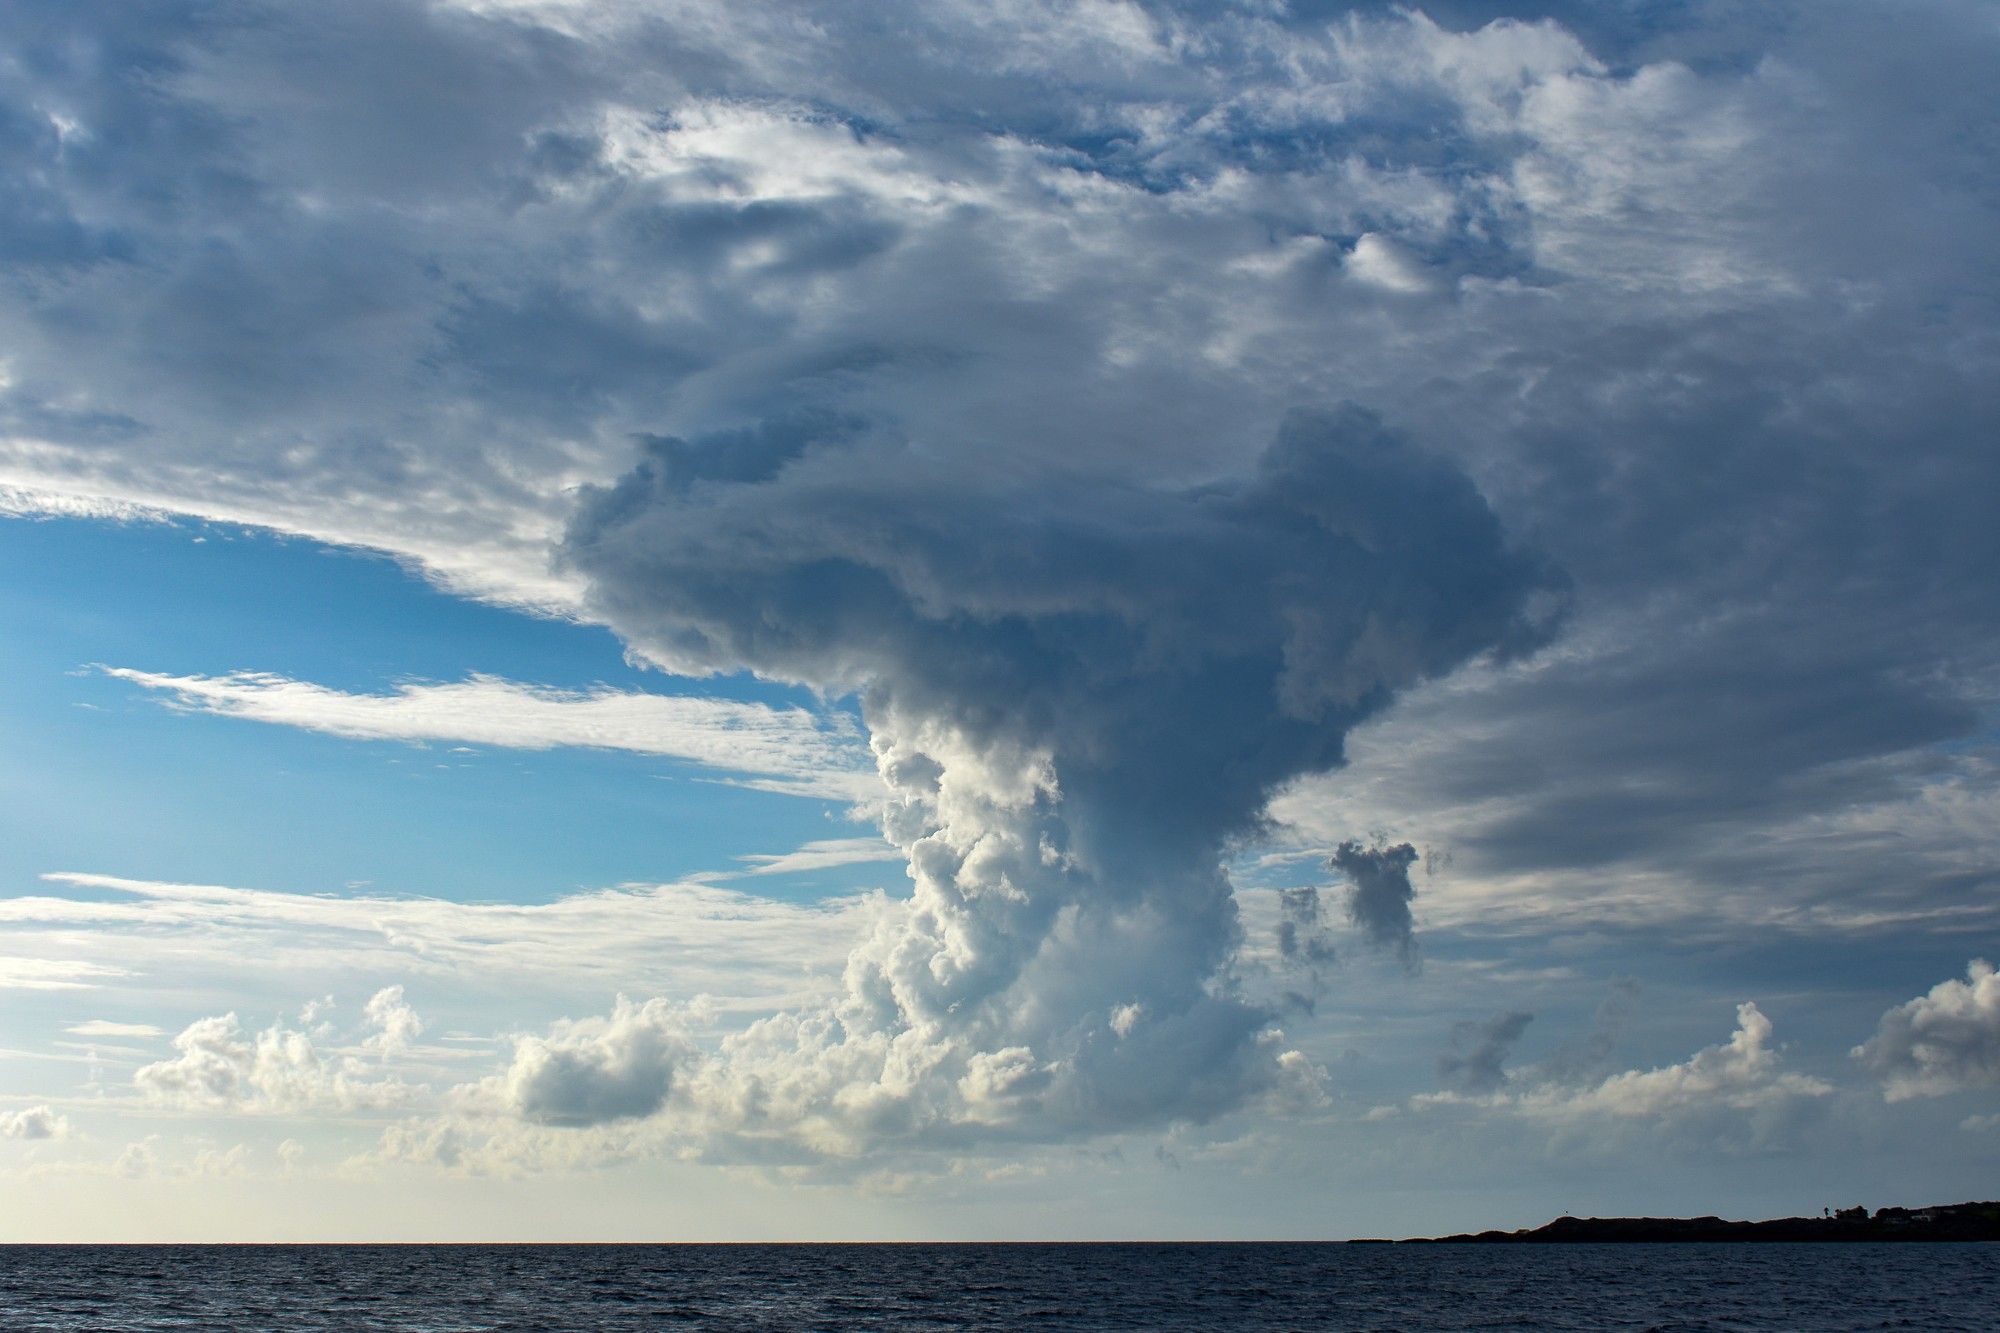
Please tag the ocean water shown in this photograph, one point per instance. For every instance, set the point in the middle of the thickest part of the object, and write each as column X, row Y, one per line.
column 1238, row 1288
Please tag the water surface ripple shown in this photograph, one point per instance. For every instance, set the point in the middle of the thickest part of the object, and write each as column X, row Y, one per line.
column 1240, row 1288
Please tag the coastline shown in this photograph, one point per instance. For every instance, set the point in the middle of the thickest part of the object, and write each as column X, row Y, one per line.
column 1976, row 1221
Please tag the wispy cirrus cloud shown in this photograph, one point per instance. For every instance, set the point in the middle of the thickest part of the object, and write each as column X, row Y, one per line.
column 806, row 754
column 28, row 502
column 826, row 854
column 54, row 973
column 679, row 940
column 104, row 1027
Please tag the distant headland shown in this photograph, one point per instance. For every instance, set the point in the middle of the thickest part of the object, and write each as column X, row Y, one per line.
column 1951, row 1221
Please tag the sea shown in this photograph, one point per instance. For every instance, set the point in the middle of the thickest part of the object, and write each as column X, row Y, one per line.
column 1240, row 1288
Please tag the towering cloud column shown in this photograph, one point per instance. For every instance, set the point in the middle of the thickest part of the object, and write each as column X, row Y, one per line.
column 1079, row 689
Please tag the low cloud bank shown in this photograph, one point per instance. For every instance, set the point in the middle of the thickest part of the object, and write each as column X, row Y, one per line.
column 1744, row 1074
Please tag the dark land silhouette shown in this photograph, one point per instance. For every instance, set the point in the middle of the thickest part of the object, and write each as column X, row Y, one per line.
column 1951, row 1221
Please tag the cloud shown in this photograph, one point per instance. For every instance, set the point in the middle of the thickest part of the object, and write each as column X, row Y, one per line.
column 231, row 1161
column 1379, row 901
column 1015, row 652
column 33, row 1122
column 218, row 1065
column 826, row 854
column 55, row 974
column 752, row 953
column 24, row 502
column 598, row 1070
column 102, row 1027
column 211, row 1066
column 1479, row 1051
column 815, row 756
column 1644, row 341
column 1040, row 284
column 139, row 1160
column 1943, row 1042
column 1305, row 943
column 1377, row 260
column 395, row 1024
column 1585, row 1059
column 1742, row 1075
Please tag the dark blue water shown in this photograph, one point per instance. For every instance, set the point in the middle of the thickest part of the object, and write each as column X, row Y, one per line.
column 1239, row 1288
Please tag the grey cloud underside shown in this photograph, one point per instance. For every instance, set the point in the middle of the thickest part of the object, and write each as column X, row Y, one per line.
column 1183, row 650
column 1775, row 509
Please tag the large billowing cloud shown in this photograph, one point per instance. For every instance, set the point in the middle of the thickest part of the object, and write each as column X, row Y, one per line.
column 1078, row 689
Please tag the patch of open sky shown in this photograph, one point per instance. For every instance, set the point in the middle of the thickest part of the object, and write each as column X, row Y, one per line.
column 96, row 775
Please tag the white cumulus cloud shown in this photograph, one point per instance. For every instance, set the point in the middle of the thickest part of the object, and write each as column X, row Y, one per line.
column 33, row 1122
column 595, row 1070
column 220, row 1066
column 1743, row 1074
column 1943, row 1042
column 393, row 1022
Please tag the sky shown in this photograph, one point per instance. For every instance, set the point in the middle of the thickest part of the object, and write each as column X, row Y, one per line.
column 669, row 620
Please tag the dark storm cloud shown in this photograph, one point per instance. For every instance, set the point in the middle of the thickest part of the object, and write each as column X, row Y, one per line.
column 1380, row 894
column 1238, row 629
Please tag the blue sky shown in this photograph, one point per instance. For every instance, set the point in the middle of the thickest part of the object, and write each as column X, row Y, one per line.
column 90, row 755
column 1102, row 619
